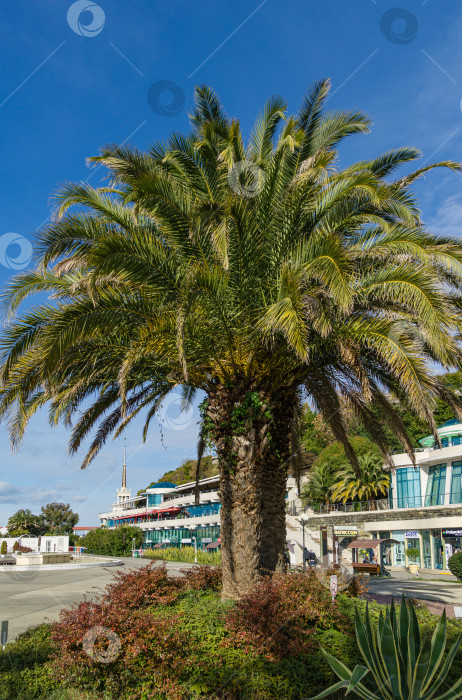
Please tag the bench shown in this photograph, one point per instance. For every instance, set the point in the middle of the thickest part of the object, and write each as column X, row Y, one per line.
column 372, row 569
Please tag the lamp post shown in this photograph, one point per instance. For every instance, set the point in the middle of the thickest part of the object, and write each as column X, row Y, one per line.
column 303, row 521
column 133, row 547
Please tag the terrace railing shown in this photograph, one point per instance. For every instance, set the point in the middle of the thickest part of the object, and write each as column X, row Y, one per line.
column 399, row 503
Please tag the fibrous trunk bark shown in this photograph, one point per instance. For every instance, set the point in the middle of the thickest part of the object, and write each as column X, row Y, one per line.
column 251, row 431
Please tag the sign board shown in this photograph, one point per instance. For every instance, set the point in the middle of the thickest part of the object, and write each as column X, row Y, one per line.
column 186, row 540
column 219, row 539
column 452, row 533
column 206, row 540
column 333, row 587
column 412, row 534
column 346, row 531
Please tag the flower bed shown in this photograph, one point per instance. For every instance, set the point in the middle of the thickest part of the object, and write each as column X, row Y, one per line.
column 151, row 636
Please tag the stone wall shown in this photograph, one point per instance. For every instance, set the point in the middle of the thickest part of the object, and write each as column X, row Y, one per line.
column 358, row 519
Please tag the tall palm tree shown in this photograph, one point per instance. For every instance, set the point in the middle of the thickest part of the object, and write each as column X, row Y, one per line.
column 371, row 483
column 255, row 273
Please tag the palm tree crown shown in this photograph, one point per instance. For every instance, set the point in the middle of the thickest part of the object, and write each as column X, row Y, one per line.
column 372, row 482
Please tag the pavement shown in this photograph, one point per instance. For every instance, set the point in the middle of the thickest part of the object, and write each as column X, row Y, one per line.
column 29, row 598
column 436, row 595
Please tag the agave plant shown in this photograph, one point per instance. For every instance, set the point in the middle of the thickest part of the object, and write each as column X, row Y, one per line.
column 399, row 663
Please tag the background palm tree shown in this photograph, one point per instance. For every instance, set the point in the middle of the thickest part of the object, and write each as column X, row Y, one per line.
column 371, row 483
column 23, row 522
column 318, row 486
column 256, row 273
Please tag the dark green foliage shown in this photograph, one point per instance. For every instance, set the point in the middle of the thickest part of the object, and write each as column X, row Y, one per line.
column 455, row 565
column 58, row 518
column 24, row 672
column 3, row 548
column 117, row 542
column 187, row 471
column 334, row 454
column 316, row 435
column 330, row 461
column 23, row 522
column 312, row 438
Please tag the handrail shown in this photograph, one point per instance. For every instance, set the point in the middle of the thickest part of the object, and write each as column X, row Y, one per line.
column 451, row 498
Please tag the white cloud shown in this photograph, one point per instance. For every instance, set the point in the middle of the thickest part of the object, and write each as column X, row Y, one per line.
column 9, row 493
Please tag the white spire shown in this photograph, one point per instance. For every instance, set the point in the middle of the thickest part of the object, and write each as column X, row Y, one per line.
column 124, row 471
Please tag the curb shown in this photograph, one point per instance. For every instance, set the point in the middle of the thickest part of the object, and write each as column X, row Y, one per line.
column 61, row 567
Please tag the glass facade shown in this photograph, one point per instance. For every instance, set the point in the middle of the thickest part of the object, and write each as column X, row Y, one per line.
column 408, row 488
column 175, row 535
column 437, row 550
column 398, row 549
column 456, row 483
column 154, row 499
column 427, row 549
column 436, row 485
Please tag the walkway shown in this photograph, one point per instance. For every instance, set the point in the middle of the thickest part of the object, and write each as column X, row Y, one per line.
column 435, row 595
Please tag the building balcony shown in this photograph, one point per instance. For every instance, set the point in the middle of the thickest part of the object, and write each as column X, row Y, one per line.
column 383, row 504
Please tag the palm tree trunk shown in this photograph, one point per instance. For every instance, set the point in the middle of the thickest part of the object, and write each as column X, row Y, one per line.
column 251, row 432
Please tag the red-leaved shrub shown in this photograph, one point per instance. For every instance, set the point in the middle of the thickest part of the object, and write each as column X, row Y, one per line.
column 202, row 578
column 133, row 650
column 278, row 618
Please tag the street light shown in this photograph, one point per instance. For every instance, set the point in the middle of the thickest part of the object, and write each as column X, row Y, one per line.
column 303, row 520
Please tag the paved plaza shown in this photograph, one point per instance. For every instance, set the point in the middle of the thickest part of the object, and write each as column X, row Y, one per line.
column 31, row 597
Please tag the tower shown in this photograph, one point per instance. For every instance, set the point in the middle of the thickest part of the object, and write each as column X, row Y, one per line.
column 123, row 494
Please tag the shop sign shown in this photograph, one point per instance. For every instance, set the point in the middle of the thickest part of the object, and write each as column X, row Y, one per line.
column 219, row 539
column 206, row 540
column 346, row 531
column 186, row 540
column 412, row 534
column 452, row 533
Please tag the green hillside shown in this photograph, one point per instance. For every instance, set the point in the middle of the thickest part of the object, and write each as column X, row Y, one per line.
column 187, row 471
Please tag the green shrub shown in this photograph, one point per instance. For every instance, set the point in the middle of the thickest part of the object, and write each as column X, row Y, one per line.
column 184, row 554
column 455, row 565
column 25, row 671
column 3, row 548
column 116, row 542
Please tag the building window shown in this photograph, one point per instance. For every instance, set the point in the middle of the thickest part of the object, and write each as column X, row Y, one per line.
column 408, row 487
column 456, row 483
column 456, row 440
column 436, row 485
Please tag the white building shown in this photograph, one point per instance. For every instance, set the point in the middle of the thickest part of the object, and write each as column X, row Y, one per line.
column 167, row 514
column 423, row 510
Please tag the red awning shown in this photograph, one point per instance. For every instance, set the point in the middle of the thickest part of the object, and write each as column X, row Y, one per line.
column 213, row 545
column 173, row 509
column 155, row 511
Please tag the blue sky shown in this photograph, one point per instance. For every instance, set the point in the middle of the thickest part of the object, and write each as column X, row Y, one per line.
column 74, row 79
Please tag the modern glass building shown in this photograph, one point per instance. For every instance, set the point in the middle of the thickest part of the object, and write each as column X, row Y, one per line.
column 423, row 511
